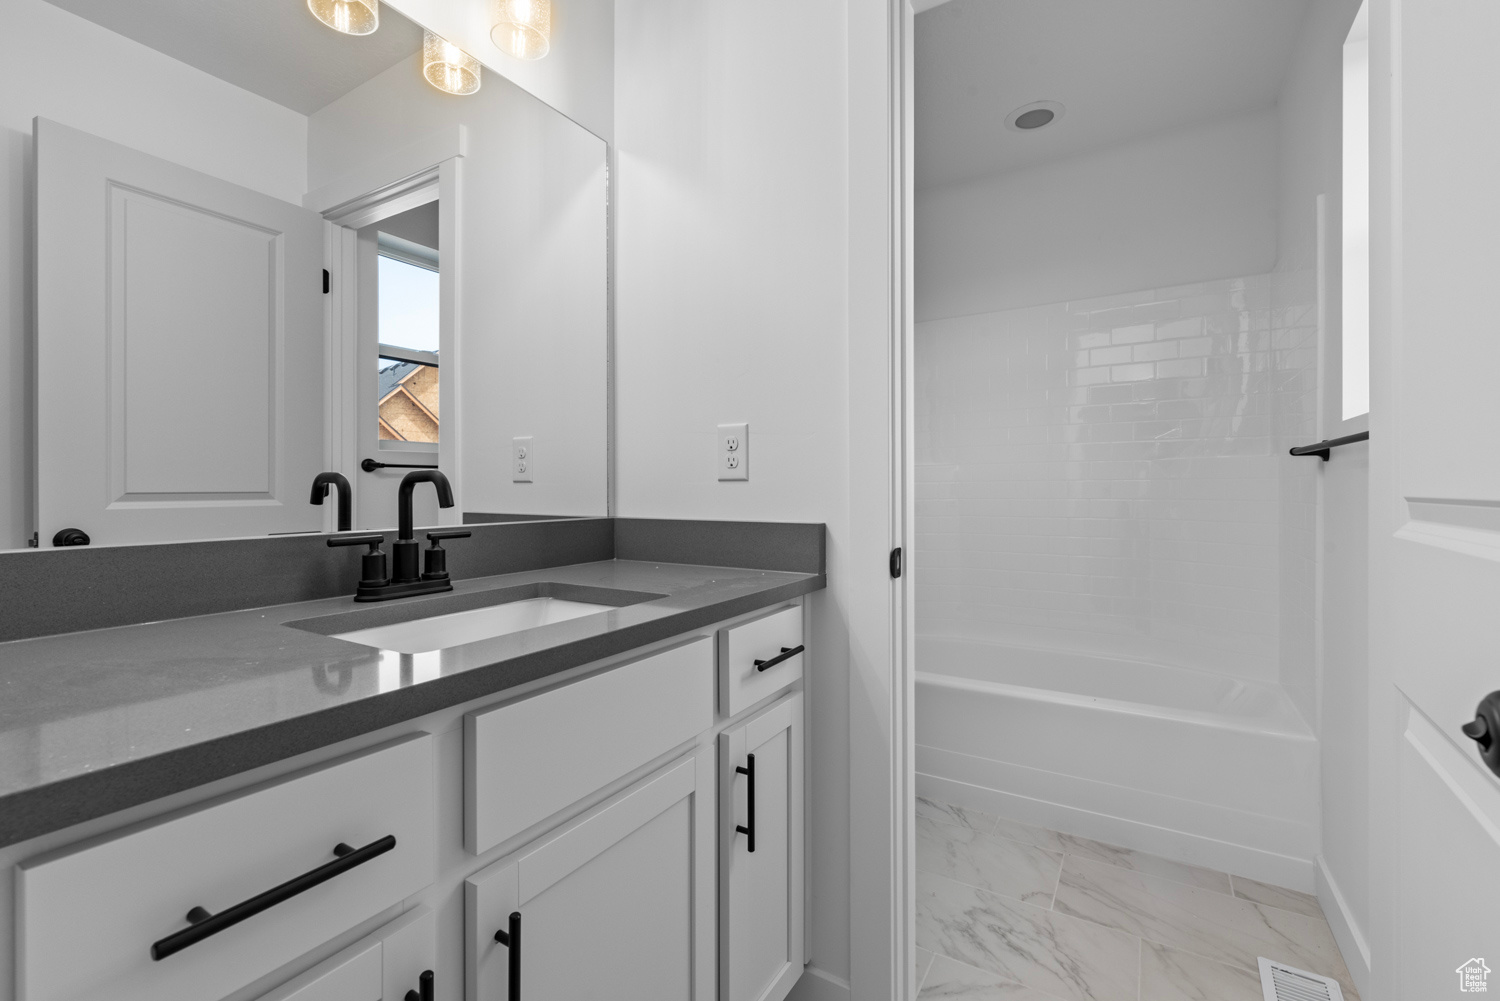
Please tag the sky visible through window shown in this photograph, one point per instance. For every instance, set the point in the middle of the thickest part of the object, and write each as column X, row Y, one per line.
column 408, row 306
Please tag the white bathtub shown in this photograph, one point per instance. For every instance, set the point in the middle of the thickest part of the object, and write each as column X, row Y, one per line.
column 1194, row 766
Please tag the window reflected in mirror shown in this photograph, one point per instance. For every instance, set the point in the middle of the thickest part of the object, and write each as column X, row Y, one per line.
column 407, row 274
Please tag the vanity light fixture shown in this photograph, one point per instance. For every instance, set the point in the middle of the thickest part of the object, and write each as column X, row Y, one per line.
column 352, row 17
column 523, row 28
column 447, row 67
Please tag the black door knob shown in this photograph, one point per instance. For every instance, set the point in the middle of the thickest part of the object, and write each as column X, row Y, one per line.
column 1485, row 730
column 424, row 990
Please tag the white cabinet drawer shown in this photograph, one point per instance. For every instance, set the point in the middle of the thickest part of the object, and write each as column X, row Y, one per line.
column 755, row 659
column 90, row 917
column 383, row 966
column 529, row 759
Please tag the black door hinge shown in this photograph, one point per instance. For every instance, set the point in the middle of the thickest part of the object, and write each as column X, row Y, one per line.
column 895, row 563
column 325, row 281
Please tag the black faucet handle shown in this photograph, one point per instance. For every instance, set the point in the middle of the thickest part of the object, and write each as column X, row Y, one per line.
column 372, row 565
column 435, row 559
column 373, row 539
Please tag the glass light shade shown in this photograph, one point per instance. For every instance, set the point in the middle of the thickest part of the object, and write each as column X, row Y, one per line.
column 447, row 67
column 352, row 17
column 523, row 28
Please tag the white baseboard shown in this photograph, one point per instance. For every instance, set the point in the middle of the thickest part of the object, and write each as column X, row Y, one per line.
column 1346, row 931
column 1180, row 846
column 817, row 985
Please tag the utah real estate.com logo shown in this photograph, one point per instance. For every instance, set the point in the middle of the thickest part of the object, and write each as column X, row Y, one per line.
column 1474, row 976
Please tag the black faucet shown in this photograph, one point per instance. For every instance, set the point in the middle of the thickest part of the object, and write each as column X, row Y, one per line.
column 404, row 552
column 404, row 580
column 346, row 496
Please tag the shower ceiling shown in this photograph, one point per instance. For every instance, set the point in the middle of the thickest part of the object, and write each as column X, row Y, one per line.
column 1123, row 70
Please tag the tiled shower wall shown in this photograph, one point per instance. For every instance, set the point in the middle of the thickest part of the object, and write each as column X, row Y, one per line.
column 1103, row 476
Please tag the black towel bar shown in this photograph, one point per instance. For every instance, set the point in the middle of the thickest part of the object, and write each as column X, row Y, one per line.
column 1322, row 448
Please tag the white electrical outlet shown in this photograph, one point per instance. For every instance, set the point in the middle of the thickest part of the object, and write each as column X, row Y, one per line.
column 734, row 451
column 522, row 460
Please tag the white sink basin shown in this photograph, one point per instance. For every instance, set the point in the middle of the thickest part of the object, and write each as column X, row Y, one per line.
column 455, row 628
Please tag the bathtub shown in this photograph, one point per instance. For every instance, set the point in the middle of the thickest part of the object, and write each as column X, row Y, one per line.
column 1199, row 767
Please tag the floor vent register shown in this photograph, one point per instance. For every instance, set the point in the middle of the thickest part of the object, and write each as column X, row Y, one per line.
column 1287, row 983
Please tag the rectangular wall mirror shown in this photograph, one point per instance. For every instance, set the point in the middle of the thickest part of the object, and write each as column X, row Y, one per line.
column 264, row 250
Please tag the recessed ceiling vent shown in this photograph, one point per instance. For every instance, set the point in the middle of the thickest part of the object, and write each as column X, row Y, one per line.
column 1280, row 982
column 1030, row 117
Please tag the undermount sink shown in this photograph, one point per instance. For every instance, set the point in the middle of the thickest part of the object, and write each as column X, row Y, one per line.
column 455, row 628
column 456, row 619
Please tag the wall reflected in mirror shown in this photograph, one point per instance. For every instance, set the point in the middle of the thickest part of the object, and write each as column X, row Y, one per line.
column 307, row 259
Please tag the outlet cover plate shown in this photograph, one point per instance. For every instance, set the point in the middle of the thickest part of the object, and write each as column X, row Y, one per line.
column 522, row 459
column 733, row 451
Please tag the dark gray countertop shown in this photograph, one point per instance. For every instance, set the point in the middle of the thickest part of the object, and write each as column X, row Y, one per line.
column 94, row 722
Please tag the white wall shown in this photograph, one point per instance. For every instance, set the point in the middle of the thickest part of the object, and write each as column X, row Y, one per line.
column 731, row 305
column 59, row 66
column 1165, row 210
column 1310, row 128
column 532, row 306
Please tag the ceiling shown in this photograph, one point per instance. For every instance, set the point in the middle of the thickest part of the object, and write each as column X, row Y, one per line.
column 1122, row 70
column 274, row 48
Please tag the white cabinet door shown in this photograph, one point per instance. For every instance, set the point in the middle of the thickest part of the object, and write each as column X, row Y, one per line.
column 617, row 904
column 761, row 854
column 398, row 960
column 179, row 353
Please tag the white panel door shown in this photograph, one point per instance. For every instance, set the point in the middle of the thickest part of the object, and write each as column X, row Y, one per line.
column 760, row 891
column 179, row 349
column 1437, row 490
column 616, row 905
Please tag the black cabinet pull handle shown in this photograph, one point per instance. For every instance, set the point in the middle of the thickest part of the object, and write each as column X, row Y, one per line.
column 203, row 923
column 425, row 990
column 787, row 653
column 748, row 829
column 512, row 940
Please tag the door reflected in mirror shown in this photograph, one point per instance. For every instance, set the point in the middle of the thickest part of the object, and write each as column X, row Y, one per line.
column 308, row 260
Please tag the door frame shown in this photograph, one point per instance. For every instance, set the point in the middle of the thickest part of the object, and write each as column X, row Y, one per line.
column 402, row 179
column 882, row 771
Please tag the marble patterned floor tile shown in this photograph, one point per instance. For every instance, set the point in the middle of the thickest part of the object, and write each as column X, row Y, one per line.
column 1125, row 858
column 1172, row 975
column 1054, row 953
column 1213, row 925
column 1009, row 868
column 950, row 980
column 955, row 816
column 924, row 961
column 1276, row 896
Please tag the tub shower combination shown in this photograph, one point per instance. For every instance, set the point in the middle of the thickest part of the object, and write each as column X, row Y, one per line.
column 1114, row 574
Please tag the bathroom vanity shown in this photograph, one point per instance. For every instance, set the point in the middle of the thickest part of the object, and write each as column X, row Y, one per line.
column 616, row 788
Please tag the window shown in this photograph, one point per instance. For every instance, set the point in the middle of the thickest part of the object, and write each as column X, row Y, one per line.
column 1355, row 342
column 408, row 325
